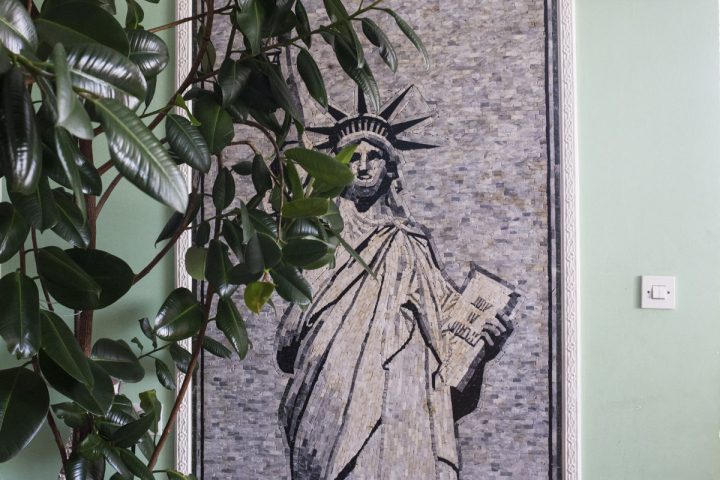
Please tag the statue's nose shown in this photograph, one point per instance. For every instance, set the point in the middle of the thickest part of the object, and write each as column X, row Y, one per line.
column 362, row 166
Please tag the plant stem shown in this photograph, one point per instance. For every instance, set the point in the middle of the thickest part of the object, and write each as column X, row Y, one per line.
column 154, row 351
column 185, row 20
column 105, row 167
column 107, row 193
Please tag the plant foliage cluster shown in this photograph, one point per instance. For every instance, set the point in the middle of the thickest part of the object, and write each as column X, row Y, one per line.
column 71, row 74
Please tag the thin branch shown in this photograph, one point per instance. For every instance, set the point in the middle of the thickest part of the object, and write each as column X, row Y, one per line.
column 107, row 193
column 245, row 142
column 185, row 20
column 105, row 167
column 51, row 422
column 231, row 40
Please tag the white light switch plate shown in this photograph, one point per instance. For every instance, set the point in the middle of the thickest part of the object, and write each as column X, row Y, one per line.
column 648, row 282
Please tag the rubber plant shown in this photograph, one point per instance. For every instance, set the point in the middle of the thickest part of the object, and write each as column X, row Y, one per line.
column 71, row 74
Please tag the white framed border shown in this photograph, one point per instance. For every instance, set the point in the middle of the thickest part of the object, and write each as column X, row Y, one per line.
column 568, row 237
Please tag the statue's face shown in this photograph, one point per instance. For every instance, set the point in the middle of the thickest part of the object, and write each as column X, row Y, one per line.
column 375, row 167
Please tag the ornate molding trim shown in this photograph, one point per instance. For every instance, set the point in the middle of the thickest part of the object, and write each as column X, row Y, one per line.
column 184, row 422
column 569, row 244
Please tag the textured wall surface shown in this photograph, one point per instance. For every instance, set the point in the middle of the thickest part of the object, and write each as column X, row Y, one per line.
column 483, row 195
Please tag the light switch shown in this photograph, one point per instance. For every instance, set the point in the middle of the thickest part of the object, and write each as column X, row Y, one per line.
column 658, row 292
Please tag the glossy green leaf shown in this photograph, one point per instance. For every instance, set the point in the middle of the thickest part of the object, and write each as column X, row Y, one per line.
column 291, row 285
column 187, row 142
column 243, row 168
column 230, row 322
column 71, row 225
column 264, row 223
column 80, row 23
column 232, row 77
column 378, row 38
column 257, row 294
column 62, row 275
column 280, row 19
column 240, row 275
column 321, row 166
column 151, row 406
column 208, row 61
column 305, row 207
column 261, row 177
column 296, row 186
column 151, row 88
column 195, row 258
column 112, row 456
column 202, row 234
column 129, row 434
column 13, row 231
column 118, row 360
column 303, row 27
column 310, row 74
column 92, row 447
column 164, row 375
column 148, row 52
column 139, row 156
column 304, row 251
column 70, row 113
column 59, row 343
column 261, row 253
column 17, row 31
column 20, row 314
column 180, row 316
column 148, row 331
column 346, row 154
column 134, row 464
column 223, row 191
column 71, row 413
column 181, row 357
column 107, row 74
column 347, row 56
column 334, row 218
column 248, row 228
column 232, row 234
column 96, row 400
column 410, row 33
column 38, row 209
column 24, row 402
column 216, row 125
column 302, row 227
column 67, row 154
column 89, row 177
column 134, row 14
column 216, row 348
column 20, row 150
column 250, row 20
column 281, row 91
column 217, row 267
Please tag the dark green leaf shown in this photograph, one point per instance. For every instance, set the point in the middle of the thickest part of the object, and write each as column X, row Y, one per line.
column 89, row 176
column 118, row 360
column 134, row 14
column 280, row 20
column 280, row 91
column 334, row 219
column 264, row 223
column 67, row 154
column 347, row 56
column 249, row 21
column 151, row 406
column 378, row 38
column 13, row 231
column 195, row 262
column 257, row 294
column 24, row 401
column 151, row 87
column 216, row 348
column 139, row 156
column 247, row 225
column 302, row 227
column 181, row 357
column 303, row 27
column 134, row 464
column 180, row 317
column 61, row 275
column 148, row 52
column 187, row 142
column 96, row 400
column 262, row 181
column 216, row 124
column 230, row 322
column 129, row 434
column 71, row 225
column 243, row 168
column 71, row 413
column 304, row 251
column 261, row 253
column 20, row 151
column 410, row 33
column 59, row 343
column 232, row 233
column 137, row 343
column 70, row 113
column 217, row 267
column 20, row 314
column 223, row 191
column 291, row 285
column 164, row 375
column 147, row 330
column 17, row 32
column 92, row 447
column 202, row 234
column 355, row 255
column 107, row 73
column 38, row 209
column 310, row 73
column 321, row 166
column 79, row 23
column 233, row 76
column 296, row 187
column 208, row 60
column 240, row 275
column 305, row 207
column 112, row 456
column 175, row 221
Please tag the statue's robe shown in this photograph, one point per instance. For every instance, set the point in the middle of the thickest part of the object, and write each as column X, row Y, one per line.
column 381, row 369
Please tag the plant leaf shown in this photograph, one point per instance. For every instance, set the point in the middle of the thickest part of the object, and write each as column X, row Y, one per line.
column 346, row 154
column 261, row 253
column 378, row 38
column 17, row 31
column 303, row 27
column 280, row 91
column 216, row 125
column 71, row 225
column 217, row 267
column 164, row 375
column 249, row 21
column 230, row 322
column 70, row 113
column 59, row 343
column 195, row 258
column 304, row 251
column 321, row 166
column 247, row 225
column 232, row 77
column 20, row 151
column 187, row 142
column 134, row 464
column 257, row 294
column 24, row 401
column 92, row 447
column 232, row 234
column 118, row 360
column 202, row 234
column 355, row 255
column 181, row 357
column 360, row 73
column 410, row 33
column 180, row 316
column 240, row 275
column 13, row 231
column 223, row 191
column 305, row 207
column 148, row 52
column 216, row 348
column 38, row 209
column 81, row 23
column 139, row 156
column 129, row 434
column 20, row 314
column 261, row 178
column 334, row 219
column 291, row 285
column 71, row 413
column 310, row 74
column 61, row 273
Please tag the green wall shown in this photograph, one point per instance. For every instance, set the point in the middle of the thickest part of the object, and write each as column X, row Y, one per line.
column 127, row 227
column 649, row 125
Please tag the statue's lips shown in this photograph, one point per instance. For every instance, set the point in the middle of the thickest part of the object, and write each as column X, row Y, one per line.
column 368, row 178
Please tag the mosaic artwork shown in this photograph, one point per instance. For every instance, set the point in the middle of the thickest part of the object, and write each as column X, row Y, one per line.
column 443, row 366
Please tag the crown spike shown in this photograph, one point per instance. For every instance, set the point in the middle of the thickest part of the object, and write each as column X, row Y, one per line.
column 391, row 109
column 403, row 126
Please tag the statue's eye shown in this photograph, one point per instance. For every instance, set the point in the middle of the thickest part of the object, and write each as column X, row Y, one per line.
column 355, row 157
column 374, row 155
